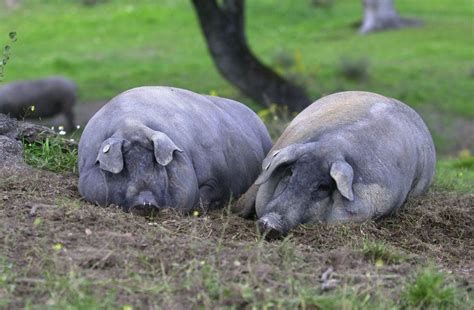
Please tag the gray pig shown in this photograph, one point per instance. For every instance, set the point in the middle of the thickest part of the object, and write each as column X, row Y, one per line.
column 156, row 147
column 350, row 156
column 49, row 96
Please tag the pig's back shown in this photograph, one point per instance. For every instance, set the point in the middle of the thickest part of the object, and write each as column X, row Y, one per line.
column 376, row 130
column 334, row 111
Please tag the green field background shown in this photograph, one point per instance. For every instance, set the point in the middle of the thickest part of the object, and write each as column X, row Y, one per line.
column 117, row 45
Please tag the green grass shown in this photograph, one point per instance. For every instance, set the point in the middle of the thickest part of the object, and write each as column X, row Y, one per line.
column 76, row 291
column 380, row 253
column 455, row 175
column 121, row 44
column 73, row 292
column 430, row 290
column 51, row 154
column 7, row 277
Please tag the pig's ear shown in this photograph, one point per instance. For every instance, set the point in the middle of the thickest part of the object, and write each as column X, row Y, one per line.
column 110, row 156
column 164, row 148
column 343, row 174
column 278, row 158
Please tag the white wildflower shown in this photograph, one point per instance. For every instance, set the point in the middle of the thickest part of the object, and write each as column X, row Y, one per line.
column 62, row 133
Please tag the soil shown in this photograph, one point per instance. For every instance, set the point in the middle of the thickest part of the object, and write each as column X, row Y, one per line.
column 169, row 260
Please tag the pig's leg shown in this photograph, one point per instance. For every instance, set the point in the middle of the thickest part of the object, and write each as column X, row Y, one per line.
column 245, row 206
column 69, row 114
column 212, row 195
column 93, row 187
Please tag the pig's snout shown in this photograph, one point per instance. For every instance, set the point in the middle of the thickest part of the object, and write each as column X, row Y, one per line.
column 271, row 226
column 145, row 204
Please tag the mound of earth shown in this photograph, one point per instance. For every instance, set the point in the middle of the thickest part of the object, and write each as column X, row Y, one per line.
column 12, row 133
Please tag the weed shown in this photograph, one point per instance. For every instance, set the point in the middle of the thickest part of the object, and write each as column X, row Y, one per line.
column 210, row 280
column 282, row 60
column 91, row 2
column 68, row 203
column 356, row 69
column 5, row 56
column 323, row 4
column 51, row 154
column 247, row 292
column 306, row 297
column 429, row 290
column 73, row 291
column 380, row 253
column 290, row 66
column 7, row 286
column 287, row 251
column 276, row 118
column 465, row 160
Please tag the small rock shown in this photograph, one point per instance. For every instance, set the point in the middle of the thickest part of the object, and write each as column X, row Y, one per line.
column 8, row 126
column 330, row 284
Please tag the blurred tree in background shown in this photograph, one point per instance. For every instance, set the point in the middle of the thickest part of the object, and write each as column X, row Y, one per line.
column 381, row 15
column 223, row 26
column 12, row 4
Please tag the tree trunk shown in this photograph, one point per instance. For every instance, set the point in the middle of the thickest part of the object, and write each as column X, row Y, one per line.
column 224, row 30
column 381, row 15
column 12, row 4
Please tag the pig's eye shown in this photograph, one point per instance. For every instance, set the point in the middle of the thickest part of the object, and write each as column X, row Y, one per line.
column 321, row 191
column 283, row 182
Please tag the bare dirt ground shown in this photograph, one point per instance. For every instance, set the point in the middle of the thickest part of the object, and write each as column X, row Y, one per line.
column 57, row 248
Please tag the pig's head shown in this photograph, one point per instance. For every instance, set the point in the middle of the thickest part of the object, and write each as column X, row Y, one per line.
column 302, row 183
column 144, row 170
